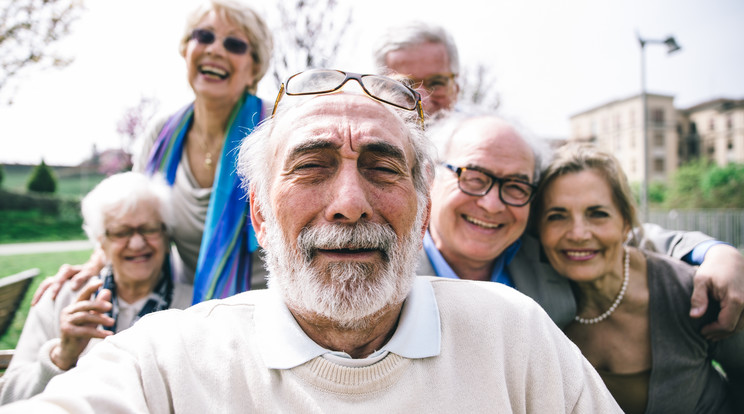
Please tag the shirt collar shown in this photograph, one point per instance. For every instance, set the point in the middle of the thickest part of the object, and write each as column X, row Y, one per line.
column 443, row 269
column 284, row 345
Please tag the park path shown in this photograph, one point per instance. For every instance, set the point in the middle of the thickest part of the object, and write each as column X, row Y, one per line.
column 9, row 249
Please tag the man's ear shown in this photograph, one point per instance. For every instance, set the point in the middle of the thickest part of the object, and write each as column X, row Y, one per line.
column 257, row 220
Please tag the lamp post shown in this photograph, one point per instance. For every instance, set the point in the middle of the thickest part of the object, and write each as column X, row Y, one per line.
column 672, row 46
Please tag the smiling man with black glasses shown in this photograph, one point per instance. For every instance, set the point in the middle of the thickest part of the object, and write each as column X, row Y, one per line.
column 486, row 179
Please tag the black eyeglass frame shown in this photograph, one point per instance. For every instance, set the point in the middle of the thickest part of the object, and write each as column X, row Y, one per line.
column 458, row 171
column 132, row 230
column 231, row 44
column 418, row 107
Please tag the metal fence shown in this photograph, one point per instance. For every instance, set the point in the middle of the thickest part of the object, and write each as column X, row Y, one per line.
column 725, row 224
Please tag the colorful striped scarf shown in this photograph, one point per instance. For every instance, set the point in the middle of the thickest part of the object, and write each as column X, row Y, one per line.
column 224, row 265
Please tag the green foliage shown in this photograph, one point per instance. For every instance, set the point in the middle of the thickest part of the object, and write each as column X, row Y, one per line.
column 72, row 182
column 2, row 175
column 38, row 217
column 702, row 184
column 42, row 179
column 656, row 192
column 34, row 226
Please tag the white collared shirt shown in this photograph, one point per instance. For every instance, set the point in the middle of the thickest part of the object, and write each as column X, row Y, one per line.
column 284, row 345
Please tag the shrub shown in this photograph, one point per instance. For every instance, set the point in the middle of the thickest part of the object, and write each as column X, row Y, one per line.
column 42, row 179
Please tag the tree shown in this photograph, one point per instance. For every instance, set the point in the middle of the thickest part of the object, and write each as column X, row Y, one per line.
column 478, row 87
column 309, row 36
column 2, row 175
column 702, row 184
column 42, row 179
column 132, row 125
column 28, row 31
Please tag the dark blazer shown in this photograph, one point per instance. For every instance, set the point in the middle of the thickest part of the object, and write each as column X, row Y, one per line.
column 533, row 275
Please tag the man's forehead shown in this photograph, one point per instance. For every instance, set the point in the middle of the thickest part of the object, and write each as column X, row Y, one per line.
column 419, row 60
column 493, row 144
column 339, row 118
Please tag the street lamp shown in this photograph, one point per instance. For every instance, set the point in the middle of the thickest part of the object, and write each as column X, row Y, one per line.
column 672, row 47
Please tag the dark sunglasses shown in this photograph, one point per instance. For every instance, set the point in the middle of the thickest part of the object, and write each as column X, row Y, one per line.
column 231, row 44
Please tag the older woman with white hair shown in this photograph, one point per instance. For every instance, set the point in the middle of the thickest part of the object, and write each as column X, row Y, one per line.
column 127, row 215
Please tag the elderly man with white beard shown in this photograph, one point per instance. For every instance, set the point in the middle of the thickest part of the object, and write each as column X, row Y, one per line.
column 339, row 198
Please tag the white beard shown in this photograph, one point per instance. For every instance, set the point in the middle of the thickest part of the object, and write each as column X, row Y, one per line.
column 347, row 293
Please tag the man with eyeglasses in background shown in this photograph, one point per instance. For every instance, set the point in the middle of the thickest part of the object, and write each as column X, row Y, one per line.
column 427, row 55
column 487, row 174
column 339, row 199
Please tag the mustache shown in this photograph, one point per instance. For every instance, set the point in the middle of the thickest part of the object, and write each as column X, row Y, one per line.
column 359, row 236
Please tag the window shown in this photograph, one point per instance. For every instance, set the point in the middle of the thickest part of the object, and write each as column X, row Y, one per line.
column 712, row 124
column 729, row 123
column 657, row 116
column 659, row 139
column 658, row 165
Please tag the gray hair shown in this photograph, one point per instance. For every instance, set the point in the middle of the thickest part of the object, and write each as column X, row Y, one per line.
column 445, row 128
column 260, row 39
column 256, row 156
column 412, row 34
column 120, row 194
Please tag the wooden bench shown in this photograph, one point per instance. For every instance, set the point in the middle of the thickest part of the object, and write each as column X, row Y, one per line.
column 13, row 288
column 5, row 356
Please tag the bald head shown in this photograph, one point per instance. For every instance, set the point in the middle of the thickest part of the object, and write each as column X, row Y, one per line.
column 472, row 231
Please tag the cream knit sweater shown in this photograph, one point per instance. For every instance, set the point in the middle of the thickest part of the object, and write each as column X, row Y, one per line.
column 500, row 353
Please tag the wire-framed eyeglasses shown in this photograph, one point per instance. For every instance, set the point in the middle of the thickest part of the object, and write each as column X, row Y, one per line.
column 435, row 83
column 380, row 88
column 475, row 182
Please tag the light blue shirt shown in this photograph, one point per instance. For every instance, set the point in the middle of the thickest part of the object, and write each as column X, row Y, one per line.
column 697, row 255
column 284, row 345
column 499, row 274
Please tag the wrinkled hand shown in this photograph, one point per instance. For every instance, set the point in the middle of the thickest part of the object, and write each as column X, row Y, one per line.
column 78, row 275
column 720, row 277
column 79, row 324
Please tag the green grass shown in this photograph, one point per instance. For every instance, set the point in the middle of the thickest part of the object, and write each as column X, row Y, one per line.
column 48, row 263
column 34, row 226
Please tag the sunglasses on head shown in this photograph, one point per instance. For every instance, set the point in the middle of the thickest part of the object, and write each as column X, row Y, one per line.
column 231, row 44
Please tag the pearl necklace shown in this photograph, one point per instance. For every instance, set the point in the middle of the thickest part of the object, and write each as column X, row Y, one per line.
column 618, row 299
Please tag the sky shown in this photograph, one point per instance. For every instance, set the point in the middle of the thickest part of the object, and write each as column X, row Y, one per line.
column 550, row 60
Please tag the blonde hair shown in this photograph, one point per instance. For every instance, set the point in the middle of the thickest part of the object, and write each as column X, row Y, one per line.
column 574, row 158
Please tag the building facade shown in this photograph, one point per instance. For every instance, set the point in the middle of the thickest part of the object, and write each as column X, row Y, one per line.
column 714, row 130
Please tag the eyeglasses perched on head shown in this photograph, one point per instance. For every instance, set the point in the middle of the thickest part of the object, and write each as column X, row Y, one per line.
column 231, row 44
column 478, row 183
column 148, row 232
column 380, row 88
column 437, row 82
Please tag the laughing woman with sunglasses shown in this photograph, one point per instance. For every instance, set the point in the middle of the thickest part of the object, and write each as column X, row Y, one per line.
column 127, row 216
column 227, row 49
